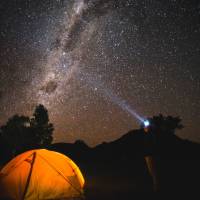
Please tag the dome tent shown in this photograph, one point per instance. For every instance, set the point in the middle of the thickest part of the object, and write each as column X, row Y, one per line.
column 41, row 174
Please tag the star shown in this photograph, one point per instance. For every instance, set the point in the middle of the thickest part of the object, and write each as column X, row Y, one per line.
column 100, row 65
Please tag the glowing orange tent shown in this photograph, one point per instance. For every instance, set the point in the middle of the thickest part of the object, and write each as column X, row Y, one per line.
column 41, row 174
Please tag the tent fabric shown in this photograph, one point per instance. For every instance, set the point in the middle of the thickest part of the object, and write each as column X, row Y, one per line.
column 41, row 174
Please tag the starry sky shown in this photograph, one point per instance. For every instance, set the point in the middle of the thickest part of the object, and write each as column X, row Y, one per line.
column 79, row 58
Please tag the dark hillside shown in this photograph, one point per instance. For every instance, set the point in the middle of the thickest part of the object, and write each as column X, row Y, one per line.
column 119, row 166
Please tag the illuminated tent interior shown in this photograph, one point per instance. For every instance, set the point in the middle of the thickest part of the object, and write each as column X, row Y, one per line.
column 41, row 174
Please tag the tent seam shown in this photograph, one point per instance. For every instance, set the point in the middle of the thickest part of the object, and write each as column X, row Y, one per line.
column 60, row 173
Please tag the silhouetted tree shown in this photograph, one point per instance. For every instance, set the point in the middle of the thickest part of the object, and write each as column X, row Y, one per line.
column 164, row 125
column 14, row 135
column 42, row 128
column 21, row 133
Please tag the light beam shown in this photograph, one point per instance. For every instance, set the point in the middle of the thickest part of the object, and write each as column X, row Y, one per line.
column 98, row 86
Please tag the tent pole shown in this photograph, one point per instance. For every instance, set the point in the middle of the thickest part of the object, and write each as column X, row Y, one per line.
column 29, row 176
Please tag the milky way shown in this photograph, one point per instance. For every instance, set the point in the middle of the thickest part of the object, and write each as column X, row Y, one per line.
column 145, row 52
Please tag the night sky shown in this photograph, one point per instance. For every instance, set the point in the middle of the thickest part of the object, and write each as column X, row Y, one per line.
column 78, row 57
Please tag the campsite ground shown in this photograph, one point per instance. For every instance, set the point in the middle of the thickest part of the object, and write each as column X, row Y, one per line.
column 119, row 183
column 110, row 188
